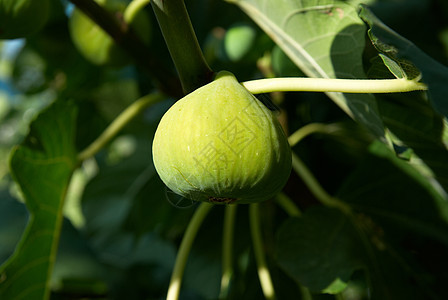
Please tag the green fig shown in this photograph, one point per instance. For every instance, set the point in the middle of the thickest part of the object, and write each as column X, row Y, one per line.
column 21, row 18
column 95, row 44
column 220, row 144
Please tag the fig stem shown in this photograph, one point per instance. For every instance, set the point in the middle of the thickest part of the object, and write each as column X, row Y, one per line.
column 309, row 129
column 316, row 189
column 184, row 249
column 133, row 8
column 262, row 267
column 118, row 124
column 182, row 43
column 299, row 84
column 227, row 249
column 307, row 176
column 288, row 206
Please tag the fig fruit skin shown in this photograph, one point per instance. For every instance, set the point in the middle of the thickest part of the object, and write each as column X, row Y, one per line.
column 22, row 18
column 95, row 44
column 220, row 144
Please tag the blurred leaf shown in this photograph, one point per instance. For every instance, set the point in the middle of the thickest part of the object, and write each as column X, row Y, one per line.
column 42, row 166
column 239, row 40
column 435, row 75
column 324, row 39
column 77, row 271
column 13, row 218
column 29, row 72
column 319, row 247
column 282, row 64
column 128, row 197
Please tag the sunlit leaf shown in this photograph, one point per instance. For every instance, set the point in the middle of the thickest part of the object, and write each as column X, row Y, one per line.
column 323, row 38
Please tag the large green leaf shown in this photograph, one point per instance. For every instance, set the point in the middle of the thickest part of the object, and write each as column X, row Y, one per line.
column 13, row 218
column 387, row 41
column 325, row 39
column 419, row 127
column 319, row 248
column 42, row 166
column 419, row 124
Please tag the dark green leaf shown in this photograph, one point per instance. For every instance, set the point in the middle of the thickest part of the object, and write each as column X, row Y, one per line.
column 435, row 75
column 77, row 270
column 400, row 209
column 319, row 247
column 13, row 218
column 419, row 125
column 412, row 119
column 42, row 166
column 394, row 191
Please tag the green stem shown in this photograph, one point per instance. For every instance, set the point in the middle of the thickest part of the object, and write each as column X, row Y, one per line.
column 263, row 271
column 309, row 129
column 316, row 189
column 184, row 250
column 182, row 44
column 227, row 249
column 306, row 294
column 133, row 8
column 118, row 124
column 302, row 170
column 286, row 203
column 332, row 85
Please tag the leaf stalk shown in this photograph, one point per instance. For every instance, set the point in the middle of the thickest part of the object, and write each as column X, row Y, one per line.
column 299, row 84
column 227, row 249
column 184, row 249
column 118, row 124
column 263, row 271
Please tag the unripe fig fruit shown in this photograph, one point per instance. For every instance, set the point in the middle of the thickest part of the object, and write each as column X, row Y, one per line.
column 220, row 144
column 21, row 18
column 238, row 41
column 95, row 44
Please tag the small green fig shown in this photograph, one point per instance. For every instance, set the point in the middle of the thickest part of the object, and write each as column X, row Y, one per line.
column 220, row 144
column 95, row 44
column 21, row 18
column 238, row 41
